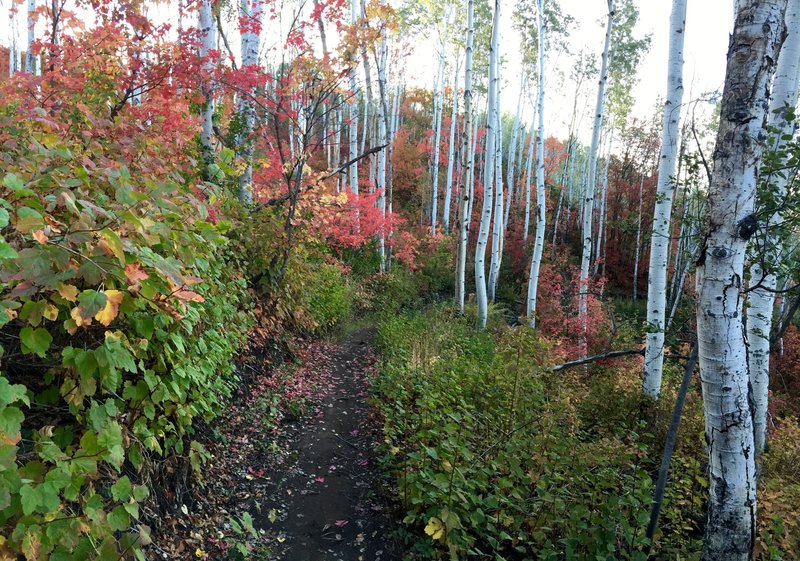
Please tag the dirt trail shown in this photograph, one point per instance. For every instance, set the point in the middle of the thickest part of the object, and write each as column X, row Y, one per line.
column 325, row 500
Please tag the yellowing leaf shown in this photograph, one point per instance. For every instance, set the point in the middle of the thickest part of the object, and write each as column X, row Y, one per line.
column 112, row 245
column 68, row 292
column 50, row 312
column 199, row 552
column 40, row 236
column 435, row 529
column 188, row 295
column 111, row 309
column 80, row 321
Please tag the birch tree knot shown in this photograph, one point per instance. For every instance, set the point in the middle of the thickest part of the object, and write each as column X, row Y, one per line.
column 747, row 226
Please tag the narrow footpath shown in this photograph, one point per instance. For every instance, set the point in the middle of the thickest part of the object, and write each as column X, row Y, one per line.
column 325, row 497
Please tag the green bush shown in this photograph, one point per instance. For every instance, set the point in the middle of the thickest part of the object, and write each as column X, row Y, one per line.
column 488, row 452
column 121, row 311
column 326, row 296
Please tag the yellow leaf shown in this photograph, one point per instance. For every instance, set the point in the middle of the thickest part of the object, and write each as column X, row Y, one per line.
column 68, row 292
column 80, row 321
column 50, row 312
column 113, row 300
column 435, row 529
column 199, row 552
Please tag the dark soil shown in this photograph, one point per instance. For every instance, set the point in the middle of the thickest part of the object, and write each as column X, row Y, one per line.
column 330, row 498
column 309, row 479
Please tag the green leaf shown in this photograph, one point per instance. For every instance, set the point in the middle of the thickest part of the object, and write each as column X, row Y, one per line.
column 10, row 393
column 3, row 218
column 35, row 340
column 6, row 251
column 122, row 489
column 119, row 519
column 91, row 302
column 30, row 498
column 28, row 220
column 13, row 182
column 11, row 420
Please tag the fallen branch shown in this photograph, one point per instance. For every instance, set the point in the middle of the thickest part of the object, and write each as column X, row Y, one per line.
column 611, row 354
column 340, row 169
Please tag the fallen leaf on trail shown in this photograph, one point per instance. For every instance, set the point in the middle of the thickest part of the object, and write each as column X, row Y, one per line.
column 341, row 523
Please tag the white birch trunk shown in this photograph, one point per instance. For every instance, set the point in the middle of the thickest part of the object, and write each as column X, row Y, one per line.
column 353, row 132
column 208, row 36
column 251, row 12
column 512, row 154
column 730, row 222
column 541, row 207
column 588, row 202
column 466, row 157
column 451, row 154
column 30, row 60
column 488, row 175
column 638, row 242
column 762, row 299
column 660, row 240
column 497, row 228
column 437, row 137
column 383, row 140
column 601, row 218
column 528, row 175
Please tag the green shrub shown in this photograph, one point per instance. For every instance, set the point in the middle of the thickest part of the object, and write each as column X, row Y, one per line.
column 326, row 295
column 121, row 312
column 488, row 453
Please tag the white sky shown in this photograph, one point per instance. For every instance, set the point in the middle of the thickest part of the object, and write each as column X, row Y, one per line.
column 708, row 25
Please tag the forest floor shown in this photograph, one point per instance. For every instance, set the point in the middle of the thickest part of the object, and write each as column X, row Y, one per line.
column 294, row 474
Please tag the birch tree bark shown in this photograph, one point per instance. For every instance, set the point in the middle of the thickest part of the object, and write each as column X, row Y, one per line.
column 536, row 261
column 466, row 158
column 638, row 242
column 762, row 298
column 481, row 295
column 250, row 25
column 30, row 59
column 451, row 152
column 353, row 132
column 661, row 235
column 588, row 203
column 437, row 137
column 208, row 36
column 730, row 222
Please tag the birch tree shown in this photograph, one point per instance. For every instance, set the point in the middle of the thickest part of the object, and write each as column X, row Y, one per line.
column 353, row 132
column 588, row 197
column 30, row 59
column 208, row 37
column 536, row 261
column 488, row 173
column 767, row 251
column 467, row 166
column 660, row 238
column 451, row 152
column 730, row 222
column 250, row 26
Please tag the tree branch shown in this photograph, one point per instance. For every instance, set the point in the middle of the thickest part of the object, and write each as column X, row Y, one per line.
column 611, row 354
column 340, row 169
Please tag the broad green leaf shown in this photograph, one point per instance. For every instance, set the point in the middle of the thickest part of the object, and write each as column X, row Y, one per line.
column 30, row 498
column 28, row 220
column 13, row 182
column 114, row 244
column 10, row 393
column 35, row 340
column 119, row 519
column 4, row 218
column 122, row 489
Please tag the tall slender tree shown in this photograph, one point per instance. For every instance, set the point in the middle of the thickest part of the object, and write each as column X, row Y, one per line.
column 767, row 250
column 536, row 260
column 730, row 223
column 588, row 196
column 488, row 172
column 660, row 238
column 467, row 159
column 208, row 37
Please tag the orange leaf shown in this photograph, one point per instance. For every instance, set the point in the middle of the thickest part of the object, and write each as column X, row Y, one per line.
column 68, row 292
column 40, row 236
column 188, row 295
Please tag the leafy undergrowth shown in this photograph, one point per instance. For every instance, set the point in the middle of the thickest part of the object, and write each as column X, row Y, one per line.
column 494, row 456
column 216, row 519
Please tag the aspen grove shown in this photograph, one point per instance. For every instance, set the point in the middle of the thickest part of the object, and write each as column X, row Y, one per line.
column 399, row 280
